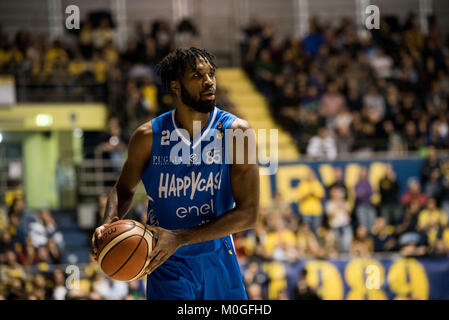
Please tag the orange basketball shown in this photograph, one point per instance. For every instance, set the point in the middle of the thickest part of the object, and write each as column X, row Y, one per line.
column 124, row 248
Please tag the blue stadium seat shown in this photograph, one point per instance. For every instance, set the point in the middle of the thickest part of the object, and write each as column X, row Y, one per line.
column 81, row 255
column 75, row 239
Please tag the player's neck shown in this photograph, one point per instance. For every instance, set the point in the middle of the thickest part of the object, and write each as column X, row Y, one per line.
column 185, row 116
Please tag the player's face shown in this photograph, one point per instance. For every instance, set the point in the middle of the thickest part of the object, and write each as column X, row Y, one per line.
column 198, row 87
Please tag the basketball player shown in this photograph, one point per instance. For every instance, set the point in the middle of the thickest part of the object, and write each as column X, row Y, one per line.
column 194, row 205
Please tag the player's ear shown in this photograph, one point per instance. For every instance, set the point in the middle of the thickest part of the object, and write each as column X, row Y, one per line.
column 175, row 87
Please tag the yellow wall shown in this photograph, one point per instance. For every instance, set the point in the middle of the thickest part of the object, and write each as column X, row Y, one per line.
column 22, row 117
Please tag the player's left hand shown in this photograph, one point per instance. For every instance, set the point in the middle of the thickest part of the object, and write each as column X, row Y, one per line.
column 168, row 241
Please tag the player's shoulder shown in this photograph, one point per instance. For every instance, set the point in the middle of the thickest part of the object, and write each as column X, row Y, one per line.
column 233, row 121
column 240, row 123
column 145, row 129
column 143, row 135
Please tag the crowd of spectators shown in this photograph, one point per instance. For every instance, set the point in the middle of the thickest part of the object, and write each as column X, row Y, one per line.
column 89, row 65
column 340, row 91
column 32, row 265
column 354, row 220
column 334, row 90
column 30, row 243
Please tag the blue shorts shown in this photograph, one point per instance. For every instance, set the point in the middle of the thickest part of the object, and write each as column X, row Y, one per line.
column 214, row 276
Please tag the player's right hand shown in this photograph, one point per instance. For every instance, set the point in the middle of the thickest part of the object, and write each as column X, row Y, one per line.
column 97, row 235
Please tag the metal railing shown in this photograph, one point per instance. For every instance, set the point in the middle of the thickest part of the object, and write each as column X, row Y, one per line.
column 96, row 176
column 8, row 182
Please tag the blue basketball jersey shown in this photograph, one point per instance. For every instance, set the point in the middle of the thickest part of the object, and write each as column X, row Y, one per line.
column 188, row 182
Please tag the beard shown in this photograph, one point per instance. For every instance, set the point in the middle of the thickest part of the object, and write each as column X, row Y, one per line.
column 203, row 106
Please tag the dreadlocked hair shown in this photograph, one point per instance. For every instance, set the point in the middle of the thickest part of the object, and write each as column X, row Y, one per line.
column 173, row 66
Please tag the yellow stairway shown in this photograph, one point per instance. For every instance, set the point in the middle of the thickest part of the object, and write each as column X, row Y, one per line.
column 253, row 107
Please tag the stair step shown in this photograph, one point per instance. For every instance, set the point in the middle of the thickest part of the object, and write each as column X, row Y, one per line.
column 254, row 108
column 75, row 238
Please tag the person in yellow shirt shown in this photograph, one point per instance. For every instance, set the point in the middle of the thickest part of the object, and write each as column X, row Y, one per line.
column 431, row 216
column 110, row 53
column 310, row 193
column 55, row 58
column 280, row 240
column 77, row 66
column 99, row 67
column 10, row 56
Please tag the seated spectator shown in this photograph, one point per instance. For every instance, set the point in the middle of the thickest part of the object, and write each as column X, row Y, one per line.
column 287, row 107
column 302, row 290
column 56, row 60
column 345, row 141
column 362, row 245
column 77, row 69
column 435, row 241
column 280, row 241
column 342, row 121
column 414, row 193
column 412, row 139
column 290, row 218
column 375, row 102
column 327, row 241
column 6, row 245
column 59, row 285
column 43, row 260
column 383, row 236
column 431, row 216
column 110, row 53
column 353, row 97
column 28, row 255
column 412, row 245
column 439, row 132
column 54, row 252
column 10, row 57
column 43, row 229
column 332, row 102
column 11, row 269
column 264, row 70
column 322, row 146
column 98, row 67
column 110, row 289
column 16, row 289
column 18, row 220
column 395, row 144
column 410, row 221
column 254, row 275
column 382, row 64
column 255, row 292
column 306, row 242
column 41, row 290
column 310, row 103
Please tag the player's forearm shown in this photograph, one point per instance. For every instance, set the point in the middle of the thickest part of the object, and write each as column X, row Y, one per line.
column 118, row 204
column 236, row 220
